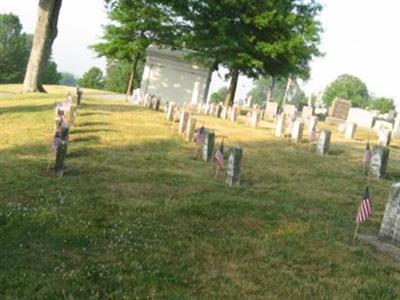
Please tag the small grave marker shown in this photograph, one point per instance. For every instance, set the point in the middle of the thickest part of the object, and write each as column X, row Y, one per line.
column 208, row 145
column 350, row 131
column 297, row 131
column 233, row 167
column 379, row 161
column 324, row 142
column 191, row 126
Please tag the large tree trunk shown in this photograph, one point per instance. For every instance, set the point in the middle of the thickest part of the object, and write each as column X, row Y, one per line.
column 131, row 84
column 270, row 89
column 232, row 87
column 45, row 33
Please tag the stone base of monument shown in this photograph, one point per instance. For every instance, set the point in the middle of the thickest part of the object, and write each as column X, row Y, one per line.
column 383, row 247
column 334, row 121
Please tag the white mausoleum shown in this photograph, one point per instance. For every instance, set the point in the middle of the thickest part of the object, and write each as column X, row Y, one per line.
column 169, row 76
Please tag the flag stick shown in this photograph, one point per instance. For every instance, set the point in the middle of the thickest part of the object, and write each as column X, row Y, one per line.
column 355, row 232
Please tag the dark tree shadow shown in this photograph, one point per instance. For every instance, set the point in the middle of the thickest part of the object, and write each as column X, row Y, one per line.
column 87, row 124
column 25, row 109
column 80, row 131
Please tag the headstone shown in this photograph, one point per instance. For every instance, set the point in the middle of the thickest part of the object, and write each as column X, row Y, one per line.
column 297, row 131
column 312, row 124
column 224, row 113
column 212, row 109
column 234, row 114
column 390, row 226
column 255, row 116
column 362, row 117
column 324, row 142
column 383, row 125
column 280, row 126
column 191, row 126
column 384, row 138
column 184, row 116
column 171, row 111
column 307, row 112
column 218, row 111
column 233, row 167
column 157, row 104
column 350, row 131
column 289, row 125
column 379, row 161
column 208, row 145
column 271, row 110
column 396, row 126
column 61, row 149
column 289, row 109
column 338, row 112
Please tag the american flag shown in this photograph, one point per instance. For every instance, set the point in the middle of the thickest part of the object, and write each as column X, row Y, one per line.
column 365, row 209
column 367, row 154
column 55, row 144
column 200, row 135
column 219, row 157
column 313, row 135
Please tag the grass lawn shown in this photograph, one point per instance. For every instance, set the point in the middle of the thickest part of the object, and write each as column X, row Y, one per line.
column 137, row 217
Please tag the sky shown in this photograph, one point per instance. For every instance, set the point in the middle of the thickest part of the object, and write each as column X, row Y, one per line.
column 360, row 38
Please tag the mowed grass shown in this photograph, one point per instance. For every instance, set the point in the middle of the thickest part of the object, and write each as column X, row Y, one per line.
column 136, row 217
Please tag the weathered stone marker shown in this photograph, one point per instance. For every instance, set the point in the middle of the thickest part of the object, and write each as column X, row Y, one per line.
column 297, row 131
column 379, row 161
column 183, row 122
column 271, row 110
column 218, row 111
column 280, row 126
column 323, row 142
column 170, row 111
column 234, row 114
column 312, row 124
column 61, row 150
column 191, row 127
column 384, row 138
column 157, row 104
column 224, row 113
column 208, row 145
column 390, row 227
column 255, row 117
column 233, row 167
column 350, row 131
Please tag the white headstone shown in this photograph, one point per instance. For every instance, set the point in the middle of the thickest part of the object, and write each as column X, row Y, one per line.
column 350, row 131
column 184, row 116
column 324, row 142
column 297, row 131
column 384, row 138
column 280, row 126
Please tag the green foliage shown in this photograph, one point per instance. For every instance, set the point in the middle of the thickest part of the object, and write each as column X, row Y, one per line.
column 219, row 95
column 14, row 49
column 93, row 78
column 347, row 87
column 118, row 73
column 68, row 79
column 384, row 105
column 50, row 74
column 260, row 90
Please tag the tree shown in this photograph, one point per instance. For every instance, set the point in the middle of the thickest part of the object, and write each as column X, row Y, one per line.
column 347, row 87
column 67, row 79
column 93, row 78
column 118, row 75
column 261, row 87
column 14, row 49
column 384, row 105
column 219, row 96
column 269, row 37
column 45, row 33
column 135, row 24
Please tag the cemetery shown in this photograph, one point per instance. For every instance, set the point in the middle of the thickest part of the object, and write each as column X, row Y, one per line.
column 204, row 155
column 133, row 192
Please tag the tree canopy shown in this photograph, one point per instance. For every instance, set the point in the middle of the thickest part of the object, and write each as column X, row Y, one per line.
column 14, row 49
column 347, row 87
column 93, row 78
column 382, row 104
column 270, row 37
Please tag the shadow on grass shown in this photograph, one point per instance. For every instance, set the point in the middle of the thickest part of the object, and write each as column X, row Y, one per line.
column 25, row 109
column 94, row 114
column 90, row 138
column 88, row 124
column 80, row 131
column 109, row 107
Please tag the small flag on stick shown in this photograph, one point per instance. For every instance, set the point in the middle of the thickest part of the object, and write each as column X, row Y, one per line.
column 313, row 135
column 365, row 209
column 367, row 155
column 219, row 157
column 199, row 136
column 55, row 144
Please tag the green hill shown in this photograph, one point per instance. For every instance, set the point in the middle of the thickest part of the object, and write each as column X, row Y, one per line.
column 135, row 216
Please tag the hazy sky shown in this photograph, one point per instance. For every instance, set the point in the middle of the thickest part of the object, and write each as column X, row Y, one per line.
column 360, row 38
